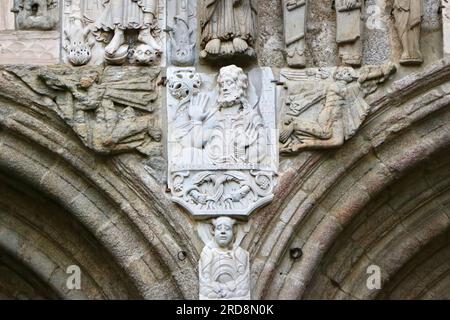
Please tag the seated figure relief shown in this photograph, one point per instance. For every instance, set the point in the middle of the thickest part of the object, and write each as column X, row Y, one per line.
column 228, row 28
column 325, row 115
column 222, row 150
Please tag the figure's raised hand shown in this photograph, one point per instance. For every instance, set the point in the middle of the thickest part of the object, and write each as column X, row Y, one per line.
column 198, row 108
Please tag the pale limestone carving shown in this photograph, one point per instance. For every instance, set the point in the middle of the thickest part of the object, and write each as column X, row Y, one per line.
column 118, row 18
column 323, row 111
column 29, row 47
column 224, row 267
column 222, row 141
column 295, row 14
column 446, row 25
column 408, row 19
column 228, row 28
column 111, row 111
column 118, row 32
column 349, row 31
column 7, row 20
column 78, row 45
column 182, row 38
column 36, row 14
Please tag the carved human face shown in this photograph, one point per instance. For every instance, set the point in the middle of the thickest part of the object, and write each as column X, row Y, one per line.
column 229, row 91
column 223, row 232
column 145, row 54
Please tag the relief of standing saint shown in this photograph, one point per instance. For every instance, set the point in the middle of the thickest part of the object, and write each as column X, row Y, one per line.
column 408, row 18
column 122, row 15
column 228, row 27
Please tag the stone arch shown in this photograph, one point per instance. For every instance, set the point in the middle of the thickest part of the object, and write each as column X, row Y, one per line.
column 41, row 152
column 327, row 190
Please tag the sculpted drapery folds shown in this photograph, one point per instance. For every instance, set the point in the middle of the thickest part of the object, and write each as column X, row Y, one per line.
column 228, row 27
column 295, row 14
column 224, row 268
column 122, row 15
column 228, row 131
column 349, row 31
column 342, row 109
column 236, row 131
column 408, row 18
column 221, row 141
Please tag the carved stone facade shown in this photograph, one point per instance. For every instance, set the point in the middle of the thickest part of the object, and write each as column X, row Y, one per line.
column 224, row 267
column 222, row 140
column 225, row 150
column 408, row 18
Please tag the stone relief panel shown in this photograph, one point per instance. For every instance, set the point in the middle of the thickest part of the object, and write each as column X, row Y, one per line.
column 222, row 141
column 325, row 107
column 349, row 23
column 115, row 32
column 182, row 26
column 224, row 267
column 408, row 20
column 228, row 28
column 111, row 110
column 295, row 15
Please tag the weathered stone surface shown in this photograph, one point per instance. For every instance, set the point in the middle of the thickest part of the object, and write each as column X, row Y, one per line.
column 98, row 139
column 7, row 21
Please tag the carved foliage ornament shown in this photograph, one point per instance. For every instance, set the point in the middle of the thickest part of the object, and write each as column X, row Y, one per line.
column 222, row 140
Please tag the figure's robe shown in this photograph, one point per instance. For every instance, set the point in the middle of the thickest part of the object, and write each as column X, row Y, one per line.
column 236, row 138
column 228, row 19
column 126, row 14
column 224, row 274
column 408, row 17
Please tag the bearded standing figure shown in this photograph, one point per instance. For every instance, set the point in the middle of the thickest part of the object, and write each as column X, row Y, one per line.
column 121, row 15
column 228, row 26
column 408, row 18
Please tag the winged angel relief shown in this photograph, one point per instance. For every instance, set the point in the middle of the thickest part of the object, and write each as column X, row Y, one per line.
column 324, row 110
column 221, row 141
